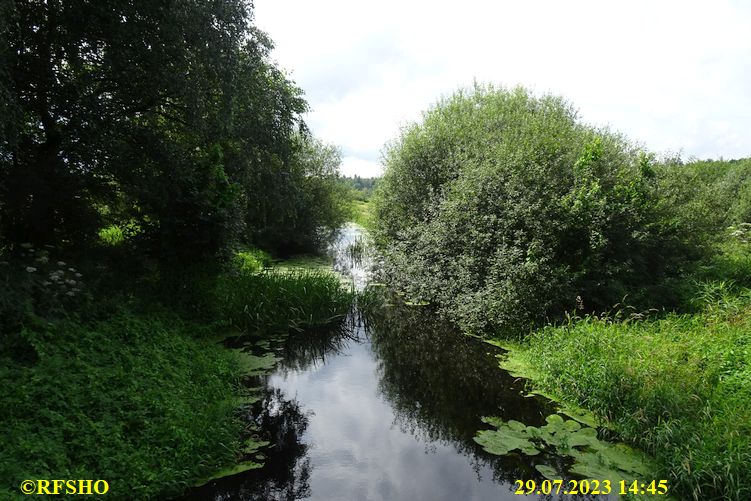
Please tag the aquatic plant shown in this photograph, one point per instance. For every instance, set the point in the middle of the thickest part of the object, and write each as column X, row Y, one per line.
column 593, row 457
column 275, row 300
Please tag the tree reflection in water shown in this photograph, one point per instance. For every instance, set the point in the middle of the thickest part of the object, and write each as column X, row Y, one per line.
column 400, row 365
column 440, row 382
column 286, row 473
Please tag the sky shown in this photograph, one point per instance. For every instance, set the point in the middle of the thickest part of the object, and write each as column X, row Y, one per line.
column 673, row 76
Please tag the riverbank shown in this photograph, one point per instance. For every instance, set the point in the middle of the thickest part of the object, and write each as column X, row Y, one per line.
column 678, row 387
column 130, row 385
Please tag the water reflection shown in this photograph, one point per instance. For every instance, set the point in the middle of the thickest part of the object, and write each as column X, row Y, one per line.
column 384, row 410
column 439, row 382
column 286, row 474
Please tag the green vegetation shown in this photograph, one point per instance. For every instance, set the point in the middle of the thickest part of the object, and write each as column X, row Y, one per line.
column 119, row 383
column 141, row 400
column 362, row 213
column 192, row 136
column 153, row 159
column 620, row 283
column 678, row 387
column 592, row 457
column 362, row 187
column 361, row 191
column 282, row 300
column 503, row 209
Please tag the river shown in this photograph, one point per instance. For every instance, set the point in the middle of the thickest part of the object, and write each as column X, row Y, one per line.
column 383, row 409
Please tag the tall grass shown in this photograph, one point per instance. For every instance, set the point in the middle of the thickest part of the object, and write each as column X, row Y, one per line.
column 282, row 300
column 678, row 387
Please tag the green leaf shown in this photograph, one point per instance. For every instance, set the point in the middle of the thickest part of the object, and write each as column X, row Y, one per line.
column 547, row 471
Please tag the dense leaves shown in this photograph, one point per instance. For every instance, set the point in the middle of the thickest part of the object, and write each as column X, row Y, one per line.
column 166, row 116
column 503, row 208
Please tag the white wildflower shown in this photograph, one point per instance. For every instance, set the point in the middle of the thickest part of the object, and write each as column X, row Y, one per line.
column 31, row 269
column 72, row 270
column 61, row 263
column 70, row 293
column 78, row 275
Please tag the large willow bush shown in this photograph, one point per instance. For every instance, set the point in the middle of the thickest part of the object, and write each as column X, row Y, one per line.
column 504, row 209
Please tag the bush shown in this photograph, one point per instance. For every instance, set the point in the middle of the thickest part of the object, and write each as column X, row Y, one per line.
column 709, row 195
column 502, row 208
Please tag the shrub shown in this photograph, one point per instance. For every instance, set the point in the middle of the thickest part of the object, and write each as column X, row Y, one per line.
column 709, row 195
column 503, row 208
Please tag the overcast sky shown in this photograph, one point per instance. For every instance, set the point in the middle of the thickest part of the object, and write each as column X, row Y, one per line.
column 671, row 75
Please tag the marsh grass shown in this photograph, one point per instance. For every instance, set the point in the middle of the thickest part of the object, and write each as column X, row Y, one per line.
column 678, row 387
column 281, row 300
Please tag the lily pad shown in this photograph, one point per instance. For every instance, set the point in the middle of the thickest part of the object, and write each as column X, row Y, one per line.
column 547, row 471
column 504, row 440
column 627, row 459
column 594, row 458
column 253, row 446
column 581, row 415
column 232, row 470
column 585, row 437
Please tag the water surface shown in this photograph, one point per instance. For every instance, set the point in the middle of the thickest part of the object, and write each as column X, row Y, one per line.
column 383, row 409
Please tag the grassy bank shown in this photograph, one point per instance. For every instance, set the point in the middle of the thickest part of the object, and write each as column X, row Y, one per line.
column 362, row 213
column 678, row 387
column 141, row 400
column 127, row 383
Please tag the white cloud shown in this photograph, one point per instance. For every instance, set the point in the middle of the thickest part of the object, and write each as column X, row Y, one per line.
column 352, row 166
column 672, row 75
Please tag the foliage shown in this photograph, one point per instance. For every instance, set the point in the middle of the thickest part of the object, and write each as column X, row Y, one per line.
column 502, row 208
column 252, row 260
column 278, row 300
column 302, row 210
column 709, row 194
column 168, row 116
column 593, row 458
column 677, row 387
column 362, row 213
column 362, row 187
column 136, row 399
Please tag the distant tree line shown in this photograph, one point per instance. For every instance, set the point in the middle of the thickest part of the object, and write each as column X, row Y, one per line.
column 165, row 117
column 362, row 187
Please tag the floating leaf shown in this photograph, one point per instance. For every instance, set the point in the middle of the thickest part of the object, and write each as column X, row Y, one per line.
column 547, row 471
column 516, row 425
column 625, row 458
column 252, row 446
column 596, row 471
column 232, row 470
column 505, row 440
column 585, row 437
column 595, row 458
column 581, row 415
column 496, row 422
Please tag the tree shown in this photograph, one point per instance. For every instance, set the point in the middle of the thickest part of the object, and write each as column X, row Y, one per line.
column 166, row 115
column 504, row 209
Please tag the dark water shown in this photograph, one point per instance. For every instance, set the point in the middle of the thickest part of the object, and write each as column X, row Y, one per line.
column 384, row 409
